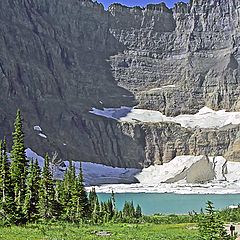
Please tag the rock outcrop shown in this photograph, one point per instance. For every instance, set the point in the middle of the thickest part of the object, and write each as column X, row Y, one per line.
column 201, row 172
column 233, row 153
column 60, row 58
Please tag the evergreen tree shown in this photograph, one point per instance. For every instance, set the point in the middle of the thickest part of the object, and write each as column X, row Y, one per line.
column 6, row 191
column 210, row 225
column 30, row 208
column 96, row 217
column 138, row 212
column 59, row 191
column 18, row 167
column 82, row 210
column 47, row 202
column 94, row 206
column 113, row 201
column 93, row 198
column 128, row 210
column 70, row 194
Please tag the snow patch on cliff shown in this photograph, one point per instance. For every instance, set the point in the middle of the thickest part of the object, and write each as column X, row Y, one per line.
column 42, row 135
column 205, row 118
column 37, row 128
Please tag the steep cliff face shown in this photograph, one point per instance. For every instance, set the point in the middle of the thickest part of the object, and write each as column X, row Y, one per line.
column 192, row 46
column 53, row 67
column 60, row 58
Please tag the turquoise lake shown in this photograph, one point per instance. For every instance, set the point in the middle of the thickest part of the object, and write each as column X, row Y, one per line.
column 152, row 203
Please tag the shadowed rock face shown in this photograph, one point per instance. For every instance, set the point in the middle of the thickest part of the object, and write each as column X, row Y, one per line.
column 53, row 66
column 60, row 58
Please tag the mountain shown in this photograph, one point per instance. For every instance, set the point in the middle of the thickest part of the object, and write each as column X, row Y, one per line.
column 59, row 59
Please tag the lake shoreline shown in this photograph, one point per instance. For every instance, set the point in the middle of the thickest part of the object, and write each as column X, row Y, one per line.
column 219, row 188
column 171, row 203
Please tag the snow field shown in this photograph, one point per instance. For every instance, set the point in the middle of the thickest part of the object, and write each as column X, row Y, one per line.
column 205, row 118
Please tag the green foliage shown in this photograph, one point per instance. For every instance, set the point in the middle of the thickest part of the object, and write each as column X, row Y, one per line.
column 31, row 202
column 128, row 210
column 138, row 212
column 211, row 226
column 18, row 168
column 67, row 231
column 94, row 206
column 82, row 199
column 73, row 196
column 48, row 206
column 230, row 215
column 27, row 195
column 6, row 188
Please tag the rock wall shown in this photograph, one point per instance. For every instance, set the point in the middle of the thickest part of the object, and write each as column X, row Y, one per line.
column 53, row 66
column 193, row 46
column 60, row 58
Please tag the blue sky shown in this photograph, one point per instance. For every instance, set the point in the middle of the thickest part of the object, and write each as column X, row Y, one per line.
column 169, row 3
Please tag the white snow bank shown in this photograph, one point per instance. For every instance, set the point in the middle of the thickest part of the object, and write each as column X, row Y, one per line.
column 161, row 173
column 106, row 178
column 208, row 188
column 205, row 118
column 152, row 179
column 233, row 171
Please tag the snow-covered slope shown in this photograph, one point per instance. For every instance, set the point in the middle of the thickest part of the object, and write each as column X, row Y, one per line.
column 205, row 118
column 161, row 173
column 154, row 178
column 94, row 174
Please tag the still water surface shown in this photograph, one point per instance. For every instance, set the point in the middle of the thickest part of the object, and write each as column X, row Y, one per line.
column 172, row 203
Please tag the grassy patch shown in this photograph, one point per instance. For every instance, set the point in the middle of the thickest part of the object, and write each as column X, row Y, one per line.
column 65, row 231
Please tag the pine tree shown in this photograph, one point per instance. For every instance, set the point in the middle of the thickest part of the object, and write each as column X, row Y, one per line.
column 138, row 212
column 128, row 210
column 94, row 206
column 92, row 199
column 30, row 208
column 70, row 194
column 18, row 167
column 96, row 217
column 6, row 191
column 1, row 166
column 82, row 210
column 210, row 225
column 47, row 204
column 113, row 201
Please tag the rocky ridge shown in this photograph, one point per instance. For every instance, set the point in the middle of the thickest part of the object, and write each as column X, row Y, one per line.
column 61, row 58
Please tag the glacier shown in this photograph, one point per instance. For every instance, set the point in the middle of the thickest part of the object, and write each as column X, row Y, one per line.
column 153, row 179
